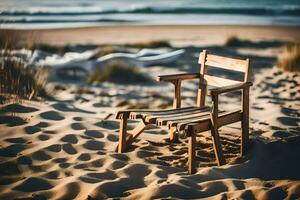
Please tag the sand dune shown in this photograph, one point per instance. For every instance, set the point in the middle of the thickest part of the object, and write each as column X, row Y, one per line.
column 61, row 150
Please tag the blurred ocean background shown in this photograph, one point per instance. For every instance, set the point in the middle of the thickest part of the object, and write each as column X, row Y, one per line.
column 24, row 14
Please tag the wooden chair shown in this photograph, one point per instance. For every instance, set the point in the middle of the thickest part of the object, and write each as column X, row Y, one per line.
column 196, row 119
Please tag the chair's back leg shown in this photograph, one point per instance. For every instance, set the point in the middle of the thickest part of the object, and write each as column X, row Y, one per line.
column 191, row 153
column 217, row 146
column 245, row 121
column 215, row 133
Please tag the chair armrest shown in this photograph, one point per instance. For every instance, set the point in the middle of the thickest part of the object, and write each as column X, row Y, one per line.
column 175, row 77
column 230, row 88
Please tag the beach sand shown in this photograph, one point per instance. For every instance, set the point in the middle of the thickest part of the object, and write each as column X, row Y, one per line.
column 64, row 148
column 181, row 35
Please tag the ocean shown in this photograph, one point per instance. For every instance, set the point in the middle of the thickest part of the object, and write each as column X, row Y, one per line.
column 38, row 14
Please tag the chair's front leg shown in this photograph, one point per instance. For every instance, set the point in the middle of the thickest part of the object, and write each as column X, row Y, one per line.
column 173, row 134
column 191, row 153
column 245, row 121
column 122, row 134
column 177, row 94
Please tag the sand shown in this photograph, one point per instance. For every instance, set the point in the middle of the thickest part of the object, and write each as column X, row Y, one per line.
column 179, row 35
column 63, row 148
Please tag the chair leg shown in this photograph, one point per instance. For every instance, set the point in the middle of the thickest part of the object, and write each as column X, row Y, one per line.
column 122, row 135
column 217, row 146
column 135, row 133
column 245, row 121
column 126, row 138
column 245, row 136
column 191, row 153
column 173, row 134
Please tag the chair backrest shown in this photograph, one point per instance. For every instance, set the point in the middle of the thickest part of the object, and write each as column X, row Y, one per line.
column 207, row 60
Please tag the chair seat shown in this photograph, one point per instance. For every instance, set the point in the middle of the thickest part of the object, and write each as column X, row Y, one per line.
column 180, row 117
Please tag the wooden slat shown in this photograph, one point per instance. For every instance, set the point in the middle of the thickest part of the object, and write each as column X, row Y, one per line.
column 136, row 114
column 153, row 118
column 173, row 77
column 183, row 116
column 183, row 123
column 165, row 121
column 205, row 125
column 230, row 88
column 199, row 118
column 218, row 81
column 226, row 63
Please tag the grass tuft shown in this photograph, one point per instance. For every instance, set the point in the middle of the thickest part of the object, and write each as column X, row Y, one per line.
column 51, row 48
column 233, row 41
column 18, row 81
column 118, row 72
column 150, row 44
column 289, row 59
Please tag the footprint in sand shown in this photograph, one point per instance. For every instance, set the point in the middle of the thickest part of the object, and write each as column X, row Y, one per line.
column 93, row 145
column 12, row 150
column 108, row 124
column 52, row 175
column 282, row 134
column 112, row 138
column 98, row 177
column 77, row 126
column 145, row 154
column 290, row 112
column 17, row 108
column 68, row 108
column 9, row 168
column 117, row 165
column 121, row 157
column 32, row 129
column 65, row 191
column 33, row 185
column 84, row 157
column 94, row 133
column 289, row 121
column 137, row 170
column 54, row 148
column 41, row 155
column 78, row 119
column 17, row 140
column 51, row 115
column 24, row 160
column 42, row 124
column 43, row 137
column 257, row 108
column 71, row 138
column 60, row 160
column 64, row 165
column 12, row 121
column 68, row 148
